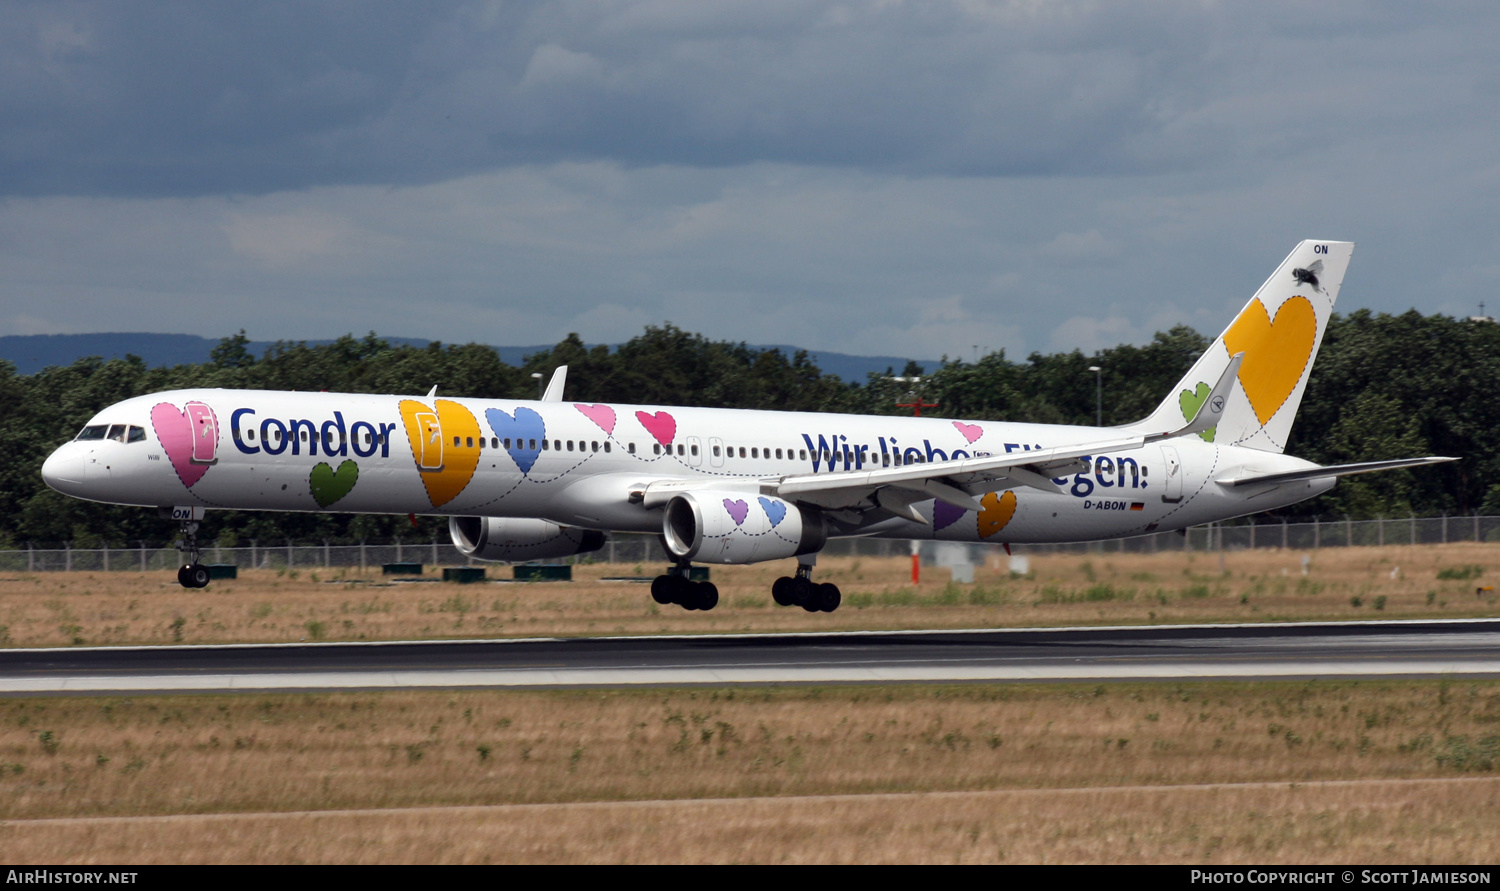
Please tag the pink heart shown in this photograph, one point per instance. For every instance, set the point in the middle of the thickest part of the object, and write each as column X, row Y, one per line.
column 602, row 415
column 738, row 510
column 971, row 432
column 175, row 430
column 660, row 425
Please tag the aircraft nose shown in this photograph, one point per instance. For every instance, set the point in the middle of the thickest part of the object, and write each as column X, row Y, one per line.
column 63, row 469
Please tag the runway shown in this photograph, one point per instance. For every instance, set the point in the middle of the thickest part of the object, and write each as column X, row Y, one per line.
column 1356, row 649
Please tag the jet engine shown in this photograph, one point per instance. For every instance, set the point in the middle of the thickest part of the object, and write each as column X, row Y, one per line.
column 735, row 527
column 517, row 540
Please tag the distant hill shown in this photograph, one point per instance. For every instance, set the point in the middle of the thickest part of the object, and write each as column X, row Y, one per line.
column 33, row 352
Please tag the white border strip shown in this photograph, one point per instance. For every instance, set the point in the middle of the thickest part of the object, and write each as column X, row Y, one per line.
column 628, row 677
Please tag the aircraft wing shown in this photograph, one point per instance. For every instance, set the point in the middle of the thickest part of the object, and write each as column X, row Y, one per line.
column 958, row 482
column 898, row 488
column 1318, row 473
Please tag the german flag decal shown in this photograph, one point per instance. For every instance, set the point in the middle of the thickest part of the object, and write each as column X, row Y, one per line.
column 1137, row 505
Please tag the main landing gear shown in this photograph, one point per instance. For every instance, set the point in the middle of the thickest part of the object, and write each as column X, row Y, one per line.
column 193, row 574
column 676, row 587
column 801, row 590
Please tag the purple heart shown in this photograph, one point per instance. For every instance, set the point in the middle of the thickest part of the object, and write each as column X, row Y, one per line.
column 775, row 510
column 945, row 514
column 738, row 510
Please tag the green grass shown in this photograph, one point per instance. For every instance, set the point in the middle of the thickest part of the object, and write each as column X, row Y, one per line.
column 1461, row 573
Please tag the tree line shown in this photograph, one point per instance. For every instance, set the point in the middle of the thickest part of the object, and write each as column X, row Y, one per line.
column 1384, row 386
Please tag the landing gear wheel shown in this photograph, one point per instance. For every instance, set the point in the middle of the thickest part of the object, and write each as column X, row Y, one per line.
column 193, row 575
column 706, row 595
column 802, row 592
column 828, row 597
column 661, row 589
column 781, row 591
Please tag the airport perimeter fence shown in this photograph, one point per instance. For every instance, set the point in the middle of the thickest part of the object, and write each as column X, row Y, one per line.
column 646, row 550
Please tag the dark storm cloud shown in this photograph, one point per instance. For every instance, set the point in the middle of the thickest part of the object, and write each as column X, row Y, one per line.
column 189, row 98
column 201, row 98
column 896, row 178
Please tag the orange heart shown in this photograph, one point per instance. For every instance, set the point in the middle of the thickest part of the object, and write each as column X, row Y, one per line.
column 445, row 445
column 996, row 513
column 1276, row 353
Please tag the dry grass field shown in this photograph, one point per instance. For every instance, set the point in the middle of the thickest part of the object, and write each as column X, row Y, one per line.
column 1376, row 771
column 63, row 609
column 1203, row 772
column 1366, row 823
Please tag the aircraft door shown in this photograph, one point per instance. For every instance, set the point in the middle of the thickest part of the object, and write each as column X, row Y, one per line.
column 695, row 451
column 205, row 429
column 430, row 446
column 716, row 451
column 1173, row 494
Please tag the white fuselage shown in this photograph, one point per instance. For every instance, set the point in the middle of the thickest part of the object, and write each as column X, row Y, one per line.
column 579, row 463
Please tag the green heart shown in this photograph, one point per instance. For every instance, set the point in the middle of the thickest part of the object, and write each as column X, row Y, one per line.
column 329, row 485
column 1190, row 401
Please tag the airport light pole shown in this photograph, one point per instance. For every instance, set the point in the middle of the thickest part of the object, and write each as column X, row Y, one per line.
column 1098, row 395
column 537, row 376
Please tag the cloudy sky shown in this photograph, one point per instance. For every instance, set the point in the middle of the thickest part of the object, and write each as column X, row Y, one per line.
column 873, row 177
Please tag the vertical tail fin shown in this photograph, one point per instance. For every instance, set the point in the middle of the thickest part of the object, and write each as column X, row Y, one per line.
column 1279, row 332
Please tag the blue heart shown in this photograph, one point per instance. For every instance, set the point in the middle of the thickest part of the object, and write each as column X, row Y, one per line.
column 775, row 511
column 526, row 426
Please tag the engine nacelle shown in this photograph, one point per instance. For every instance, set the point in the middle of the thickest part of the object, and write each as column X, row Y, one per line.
column 517, row 540
column 734, row 527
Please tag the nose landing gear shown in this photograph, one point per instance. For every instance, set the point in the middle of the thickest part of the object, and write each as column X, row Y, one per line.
column 193, row 574
column 676, row 587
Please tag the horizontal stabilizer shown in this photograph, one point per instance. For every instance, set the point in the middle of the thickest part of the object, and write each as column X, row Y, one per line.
column 1319, row 473
column 1211, row 409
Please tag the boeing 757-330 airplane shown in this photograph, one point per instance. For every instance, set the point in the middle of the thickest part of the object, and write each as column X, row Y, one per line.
column 522, row 480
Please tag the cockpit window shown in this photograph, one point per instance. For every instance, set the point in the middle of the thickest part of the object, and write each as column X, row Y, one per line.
column 115, row 432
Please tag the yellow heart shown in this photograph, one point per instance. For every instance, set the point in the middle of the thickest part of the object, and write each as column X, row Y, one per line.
column 444, row 443
column 1276, row 353
column 996, row 513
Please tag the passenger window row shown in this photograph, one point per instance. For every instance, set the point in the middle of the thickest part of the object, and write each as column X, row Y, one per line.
column 758, row 452
column 132, row 433
column 327, row 438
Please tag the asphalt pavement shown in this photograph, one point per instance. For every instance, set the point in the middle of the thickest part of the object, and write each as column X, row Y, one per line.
column 1354, row 649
